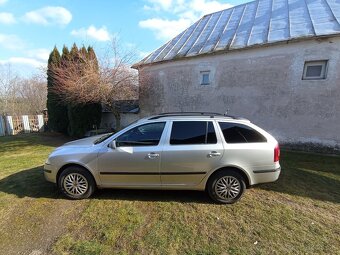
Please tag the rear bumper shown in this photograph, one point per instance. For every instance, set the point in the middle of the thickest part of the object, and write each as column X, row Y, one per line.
column 50, row 173
column 263, row 176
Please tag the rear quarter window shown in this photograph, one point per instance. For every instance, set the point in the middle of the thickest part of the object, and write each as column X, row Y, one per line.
column 239, row 133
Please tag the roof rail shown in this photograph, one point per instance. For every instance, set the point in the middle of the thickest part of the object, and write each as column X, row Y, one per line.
column 173, row 114
column 191, row 113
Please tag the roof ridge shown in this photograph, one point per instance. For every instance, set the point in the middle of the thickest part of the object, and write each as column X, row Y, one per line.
column 230, row 8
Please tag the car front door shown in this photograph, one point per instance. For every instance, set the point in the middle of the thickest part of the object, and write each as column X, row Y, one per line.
column 192, row 149
column 135, row 159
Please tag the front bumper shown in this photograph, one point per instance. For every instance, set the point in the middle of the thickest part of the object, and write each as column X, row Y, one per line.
column 50, row 173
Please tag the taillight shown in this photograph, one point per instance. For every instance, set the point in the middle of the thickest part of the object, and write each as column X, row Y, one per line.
column 277, row 153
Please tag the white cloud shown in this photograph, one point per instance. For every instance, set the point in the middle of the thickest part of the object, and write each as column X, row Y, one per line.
column 158, row 5
column 11, row 42
column 49, row 15
column 186, row 12
column 165, row 29
column 7, row 18
column 23, row 61
column 99, row 34
column 39, row 54
column 2, row 1
column 34, row 58
column 206, row 6
column 200, row 7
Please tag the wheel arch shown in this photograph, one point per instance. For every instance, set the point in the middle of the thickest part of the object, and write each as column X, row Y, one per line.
column 241, row 171
column 77, row 165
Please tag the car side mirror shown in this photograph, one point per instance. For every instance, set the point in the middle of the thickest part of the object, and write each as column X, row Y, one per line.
column 112, row 145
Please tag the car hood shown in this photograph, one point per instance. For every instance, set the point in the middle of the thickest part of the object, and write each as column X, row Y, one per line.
column 85, row 142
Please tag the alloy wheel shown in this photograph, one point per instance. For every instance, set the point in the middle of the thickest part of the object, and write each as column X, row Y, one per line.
column 75, row 184
column 227, row 187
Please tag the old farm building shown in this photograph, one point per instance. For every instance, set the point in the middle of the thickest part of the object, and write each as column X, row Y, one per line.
column 276, row 62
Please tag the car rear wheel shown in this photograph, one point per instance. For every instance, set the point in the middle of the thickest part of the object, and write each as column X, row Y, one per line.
column 226, row 187
column 76, row 183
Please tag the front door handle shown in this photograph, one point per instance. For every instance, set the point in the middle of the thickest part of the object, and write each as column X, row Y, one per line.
column 214, row 154
column 153, row 155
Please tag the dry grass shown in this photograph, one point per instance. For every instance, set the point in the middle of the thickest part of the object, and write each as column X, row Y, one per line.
column 299, row 214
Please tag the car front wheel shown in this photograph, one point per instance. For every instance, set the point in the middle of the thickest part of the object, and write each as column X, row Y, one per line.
column 76, row 183
column 226, row 187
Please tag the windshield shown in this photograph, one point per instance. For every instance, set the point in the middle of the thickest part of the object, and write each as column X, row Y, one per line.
column 103, row 138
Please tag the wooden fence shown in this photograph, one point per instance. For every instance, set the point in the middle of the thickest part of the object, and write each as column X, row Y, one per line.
column 13, row 125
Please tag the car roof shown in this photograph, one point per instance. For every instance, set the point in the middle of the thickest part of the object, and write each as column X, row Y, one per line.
column 194, row 116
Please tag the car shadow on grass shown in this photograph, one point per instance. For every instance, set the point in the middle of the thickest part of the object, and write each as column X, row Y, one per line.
column 309, row 175
column 293, row 181
column 28, row 183
column 31, row 183
column 179, row 196
column 306, row 183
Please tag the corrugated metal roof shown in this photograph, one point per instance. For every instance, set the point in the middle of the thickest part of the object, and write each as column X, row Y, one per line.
column 255, row 23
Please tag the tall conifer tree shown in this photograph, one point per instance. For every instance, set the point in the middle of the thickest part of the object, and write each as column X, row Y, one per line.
column 57, row 111
column 83, row 117
column 65, row 56
column 92, row 56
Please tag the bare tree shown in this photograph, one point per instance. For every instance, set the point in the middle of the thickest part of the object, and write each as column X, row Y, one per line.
column 9, row 82
column 21, row 95
column 33, row 92
column 83, row 80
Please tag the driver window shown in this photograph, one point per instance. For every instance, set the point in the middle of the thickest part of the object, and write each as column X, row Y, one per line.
column 144, row 135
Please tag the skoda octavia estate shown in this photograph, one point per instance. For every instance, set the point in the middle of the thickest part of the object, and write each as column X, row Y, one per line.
column 220, row 154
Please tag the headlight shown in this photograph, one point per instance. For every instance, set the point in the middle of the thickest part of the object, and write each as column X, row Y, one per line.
column 47, row 162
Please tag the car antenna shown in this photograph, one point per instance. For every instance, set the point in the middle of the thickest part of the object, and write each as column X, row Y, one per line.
column 226, row 113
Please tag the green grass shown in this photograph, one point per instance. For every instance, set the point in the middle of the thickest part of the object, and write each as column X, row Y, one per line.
column 299, row 214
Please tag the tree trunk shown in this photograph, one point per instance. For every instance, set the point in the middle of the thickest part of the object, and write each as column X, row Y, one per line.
column 117, row 119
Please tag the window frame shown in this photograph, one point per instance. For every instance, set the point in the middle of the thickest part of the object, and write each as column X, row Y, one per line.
column 202, row 73
column 324, row 69
column 144, row 145
column 195, row 144
column 241, row 134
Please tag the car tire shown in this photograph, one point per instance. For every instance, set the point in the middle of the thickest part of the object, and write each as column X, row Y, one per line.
column 226, row 187
column 76, row 183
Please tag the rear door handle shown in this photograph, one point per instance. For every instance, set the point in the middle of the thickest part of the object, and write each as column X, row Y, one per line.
column 153, row 155
column 214, row 154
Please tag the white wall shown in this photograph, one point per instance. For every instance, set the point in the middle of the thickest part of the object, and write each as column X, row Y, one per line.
column 262, row 84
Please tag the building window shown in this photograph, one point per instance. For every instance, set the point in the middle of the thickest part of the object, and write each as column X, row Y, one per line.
column 315, row 70
column 205, row 78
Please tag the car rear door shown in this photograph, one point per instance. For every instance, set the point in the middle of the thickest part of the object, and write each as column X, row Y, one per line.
column 192, row 149
column 247, row 148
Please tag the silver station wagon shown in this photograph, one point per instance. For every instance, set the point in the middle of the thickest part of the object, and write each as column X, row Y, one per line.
column 220, row 154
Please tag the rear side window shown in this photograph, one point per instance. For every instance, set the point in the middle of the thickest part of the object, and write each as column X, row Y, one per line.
column 193, row 132
column 239, row 133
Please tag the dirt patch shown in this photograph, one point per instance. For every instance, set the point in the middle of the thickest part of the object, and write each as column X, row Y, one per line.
column 37, row 224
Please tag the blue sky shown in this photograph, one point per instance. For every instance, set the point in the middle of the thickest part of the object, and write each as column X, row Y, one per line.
column 30, row 29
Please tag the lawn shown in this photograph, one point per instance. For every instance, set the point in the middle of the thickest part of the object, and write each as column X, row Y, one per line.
column 299, row 214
